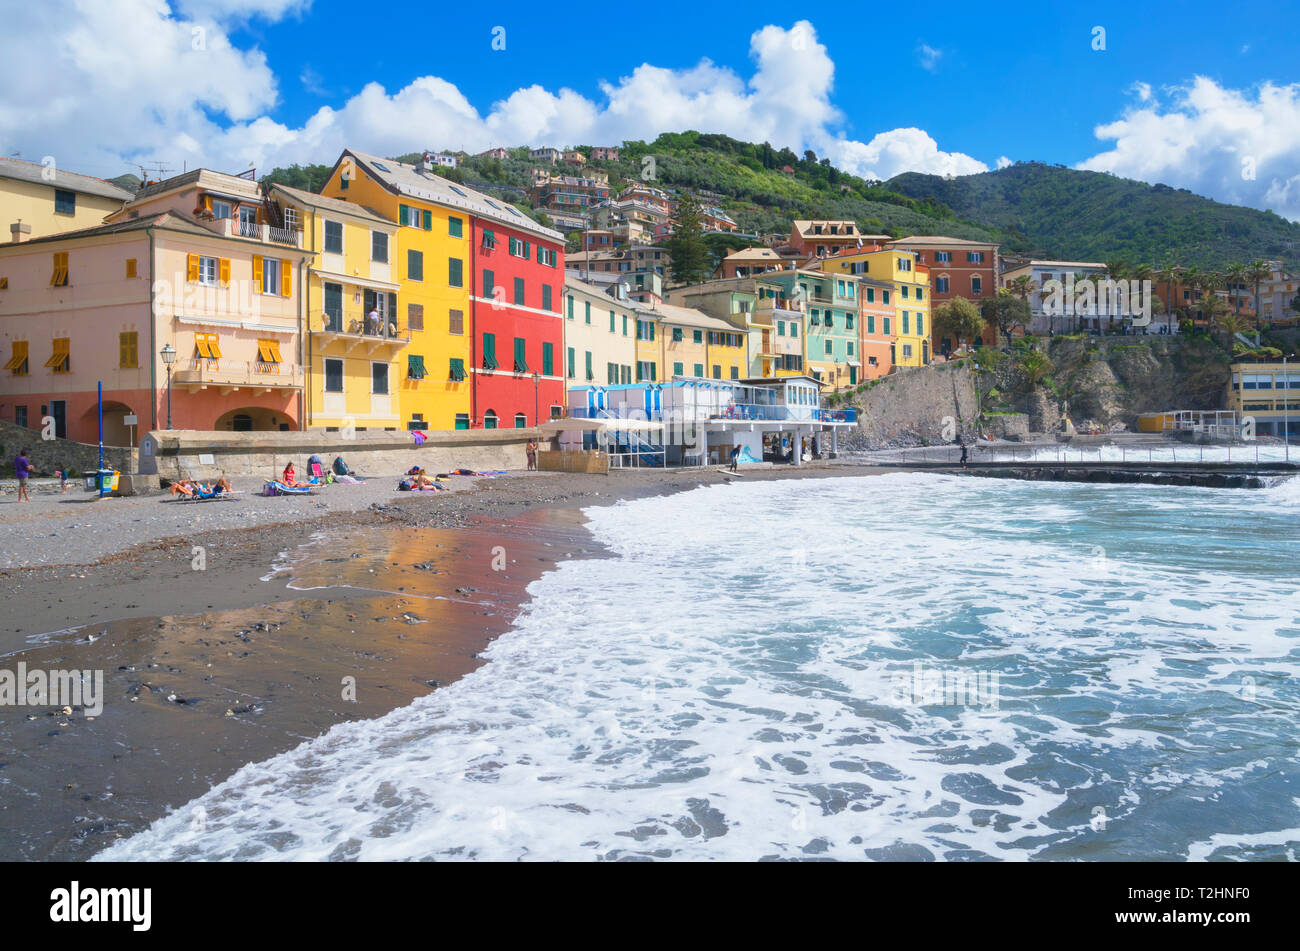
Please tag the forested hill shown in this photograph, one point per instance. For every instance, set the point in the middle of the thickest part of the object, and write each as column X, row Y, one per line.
column 1093, row 216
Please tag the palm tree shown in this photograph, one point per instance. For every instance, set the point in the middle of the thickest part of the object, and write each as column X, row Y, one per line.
column 1256, row 273
column 1212, row 281
column 1191, row 281
column 1168, row 275
column 1236, row 274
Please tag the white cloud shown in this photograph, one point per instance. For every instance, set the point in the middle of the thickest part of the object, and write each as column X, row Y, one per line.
column 1143, row 91
column 1003, row 162
column 125, row 83
column 1236, row 146
column 928, row 56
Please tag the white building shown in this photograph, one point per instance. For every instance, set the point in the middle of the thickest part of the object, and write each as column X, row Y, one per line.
column 1070, row 296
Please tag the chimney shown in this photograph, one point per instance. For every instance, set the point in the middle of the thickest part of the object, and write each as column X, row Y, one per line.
column 19, row 232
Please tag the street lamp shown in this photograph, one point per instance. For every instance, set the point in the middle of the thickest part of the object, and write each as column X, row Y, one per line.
column 537, row 406
column 168, row 358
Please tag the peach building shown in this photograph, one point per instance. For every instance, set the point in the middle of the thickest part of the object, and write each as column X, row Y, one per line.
column 197, row 263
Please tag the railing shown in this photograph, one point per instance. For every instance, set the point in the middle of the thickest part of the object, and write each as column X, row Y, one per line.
column 250, row 229
column 356, row 324
column 283, row 235
column 238, row 373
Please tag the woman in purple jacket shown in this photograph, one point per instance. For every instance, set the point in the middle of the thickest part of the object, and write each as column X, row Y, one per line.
column 22, row 470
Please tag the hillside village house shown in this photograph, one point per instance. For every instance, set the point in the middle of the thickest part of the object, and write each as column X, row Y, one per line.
column 1268, row 393
column 604, row 153
column 831, row 334
column 483, row 281
column 689, row 343
column 819, row 239
column 747, row 303
column 599, row 336
column 1066, row 272
column 544, row 154
column 1277, row 293
column 877, row 316
column 750, row 261
column 197, row 264
column 41, row 200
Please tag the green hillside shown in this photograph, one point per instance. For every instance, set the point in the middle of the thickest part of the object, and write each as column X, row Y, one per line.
column 1094, row 216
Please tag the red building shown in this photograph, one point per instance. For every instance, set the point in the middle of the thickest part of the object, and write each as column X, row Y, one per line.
column 517, row 274
column 958, row 268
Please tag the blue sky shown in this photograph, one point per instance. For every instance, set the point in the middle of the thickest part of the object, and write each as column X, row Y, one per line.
column 1186, row 93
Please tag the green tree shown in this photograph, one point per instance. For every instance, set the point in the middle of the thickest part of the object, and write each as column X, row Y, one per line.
column 1035, row 367
column 1256, row 273
column 688, row 253
column 1007, row 310
column 958, row 318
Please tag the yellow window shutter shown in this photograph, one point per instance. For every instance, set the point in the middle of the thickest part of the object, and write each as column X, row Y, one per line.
column 275, row 351
column 286, row 278
column 130, row 267
column 191, row 267
column 60, row 353
column 224, row 271
column 257, row 273
column 201, row 345
column 207, row 202
column 263, row 351
column 18, row 355
column 214, row 347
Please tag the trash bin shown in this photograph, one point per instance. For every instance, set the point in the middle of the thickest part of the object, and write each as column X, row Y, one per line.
column 102, row 479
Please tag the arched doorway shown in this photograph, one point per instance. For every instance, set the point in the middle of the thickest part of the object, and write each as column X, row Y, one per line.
column 116, row 431
column 490, row 419
column 248, row 419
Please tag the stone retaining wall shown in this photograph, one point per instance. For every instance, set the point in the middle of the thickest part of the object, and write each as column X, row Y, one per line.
column 46, row 455
column 190, row 454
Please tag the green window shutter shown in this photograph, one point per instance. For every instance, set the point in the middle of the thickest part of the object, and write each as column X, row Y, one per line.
column 403, row 214
column 587, row 311
column 415, row 366
column 590, row 374
column 699, row 336
column 677, row 335
column 490, row 351
column 428, row 220
column 570, row 364
column 527, row 249
column 488, row 283
column 699, row 369
column 455, row 272
column 677, row 370
column 454, row 227
column 611, row 321
column 521, row 362
column 548, row 359
column 457, row 371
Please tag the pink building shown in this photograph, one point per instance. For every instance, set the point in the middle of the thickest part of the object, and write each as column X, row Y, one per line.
column 198, row 263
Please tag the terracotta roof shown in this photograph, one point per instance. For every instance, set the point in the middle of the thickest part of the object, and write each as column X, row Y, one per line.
column 332, row 204
column 22, row 171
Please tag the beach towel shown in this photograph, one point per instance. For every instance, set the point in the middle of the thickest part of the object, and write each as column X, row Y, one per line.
column 418, row 437
column 349, row 480
column 276, row 487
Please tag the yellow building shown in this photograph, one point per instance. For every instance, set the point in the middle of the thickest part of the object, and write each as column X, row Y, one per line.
column 41, row 200
column 691, row 343
column 428, row 258
column 600, row 343
column 911, row 281
column 353, row 365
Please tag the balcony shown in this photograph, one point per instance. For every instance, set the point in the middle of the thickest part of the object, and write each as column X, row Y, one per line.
column 235, row 228
column 230, row 375
column 781, row 412
column 350, row 329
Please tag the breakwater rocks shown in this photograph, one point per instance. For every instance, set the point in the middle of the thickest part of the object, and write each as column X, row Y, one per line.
column 1214, row 478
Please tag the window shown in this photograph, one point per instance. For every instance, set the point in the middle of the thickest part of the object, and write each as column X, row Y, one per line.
column 207, row 346
column 490, row 351
column 976, row 285
column 697, row 336
column 907, row 349
column 678, row 370
column 414, row 366
column 455, row 272
column 780, row 328
column 414, row 265
column 130, row 267
column 411, row 217
column 60, row 360
column 884, row 297
column 455, row 227
column 848, row 321
column 828, row 348
column 456, row 370
column 625, row 325
column 941, row 285
column 904, row 291
column 489, row 241
column 548, row 359
column 570, row 306
column 65, row 202
column 521, row 421
column 735, row 373
column 586, row 312
column 920, row 293
column 546, row 297
column 18, row 358
column 333, row 237
column 590, row 373
column 905, row 264
column 975, row 257
column 490, row 420
column 678, row 335
column 462, row 420
column 903, row 314
column 942, row 257
column 794, row 329
column 128, row 350
column 208, row 270
column 379, row 247
column 871, row 295
column 519, row 291
column 268, row 351
column 333, row 375
column 570, row 364
column 489, row 282
column 612, row 322
column 717, row 371
column 871, row 323
column 379, row 379
column 60, row 276
column 521, row 360
column 456, row 322
column 849, row 348
column 699, row 369
column 221, row 209
column 885, row 322
column 270, row 275
column 920, row 324
column 547, row 256
column 20, row 416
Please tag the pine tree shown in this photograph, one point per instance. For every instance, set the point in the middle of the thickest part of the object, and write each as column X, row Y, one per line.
column 688, row 256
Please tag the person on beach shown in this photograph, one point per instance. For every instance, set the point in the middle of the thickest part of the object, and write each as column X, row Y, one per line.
column 289, row 477
column 735, row 458
column 531, row 452
column 22, row 472
column 62, row 473
column 963, row 454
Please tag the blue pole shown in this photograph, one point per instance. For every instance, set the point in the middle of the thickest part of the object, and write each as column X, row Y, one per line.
column 100, row 396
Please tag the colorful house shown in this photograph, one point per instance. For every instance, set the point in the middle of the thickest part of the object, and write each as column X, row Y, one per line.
column 831, row 338
column 1268, row 393
column 749, row 304
column 193, row 267
column 693, row 344
column 958, row 268
column 353, row 365
column 910, row 297
column 599, row 336
column 40, row 200
column 876, row 317
column 485, row 281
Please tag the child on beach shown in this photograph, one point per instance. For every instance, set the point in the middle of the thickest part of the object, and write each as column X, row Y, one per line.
column 22, row 471
column 531, row 451
column 62, row 473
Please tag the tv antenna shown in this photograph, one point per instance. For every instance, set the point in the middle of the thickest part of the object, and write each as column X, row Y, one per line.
column 152, row 171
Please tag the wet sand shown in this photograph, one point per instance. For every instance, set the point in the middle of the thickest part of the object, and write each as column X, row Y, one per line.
column 207, row 670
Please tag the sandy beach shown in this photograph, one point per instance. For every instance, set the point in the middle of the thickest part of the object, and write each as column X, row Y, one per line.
column 210, row 668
